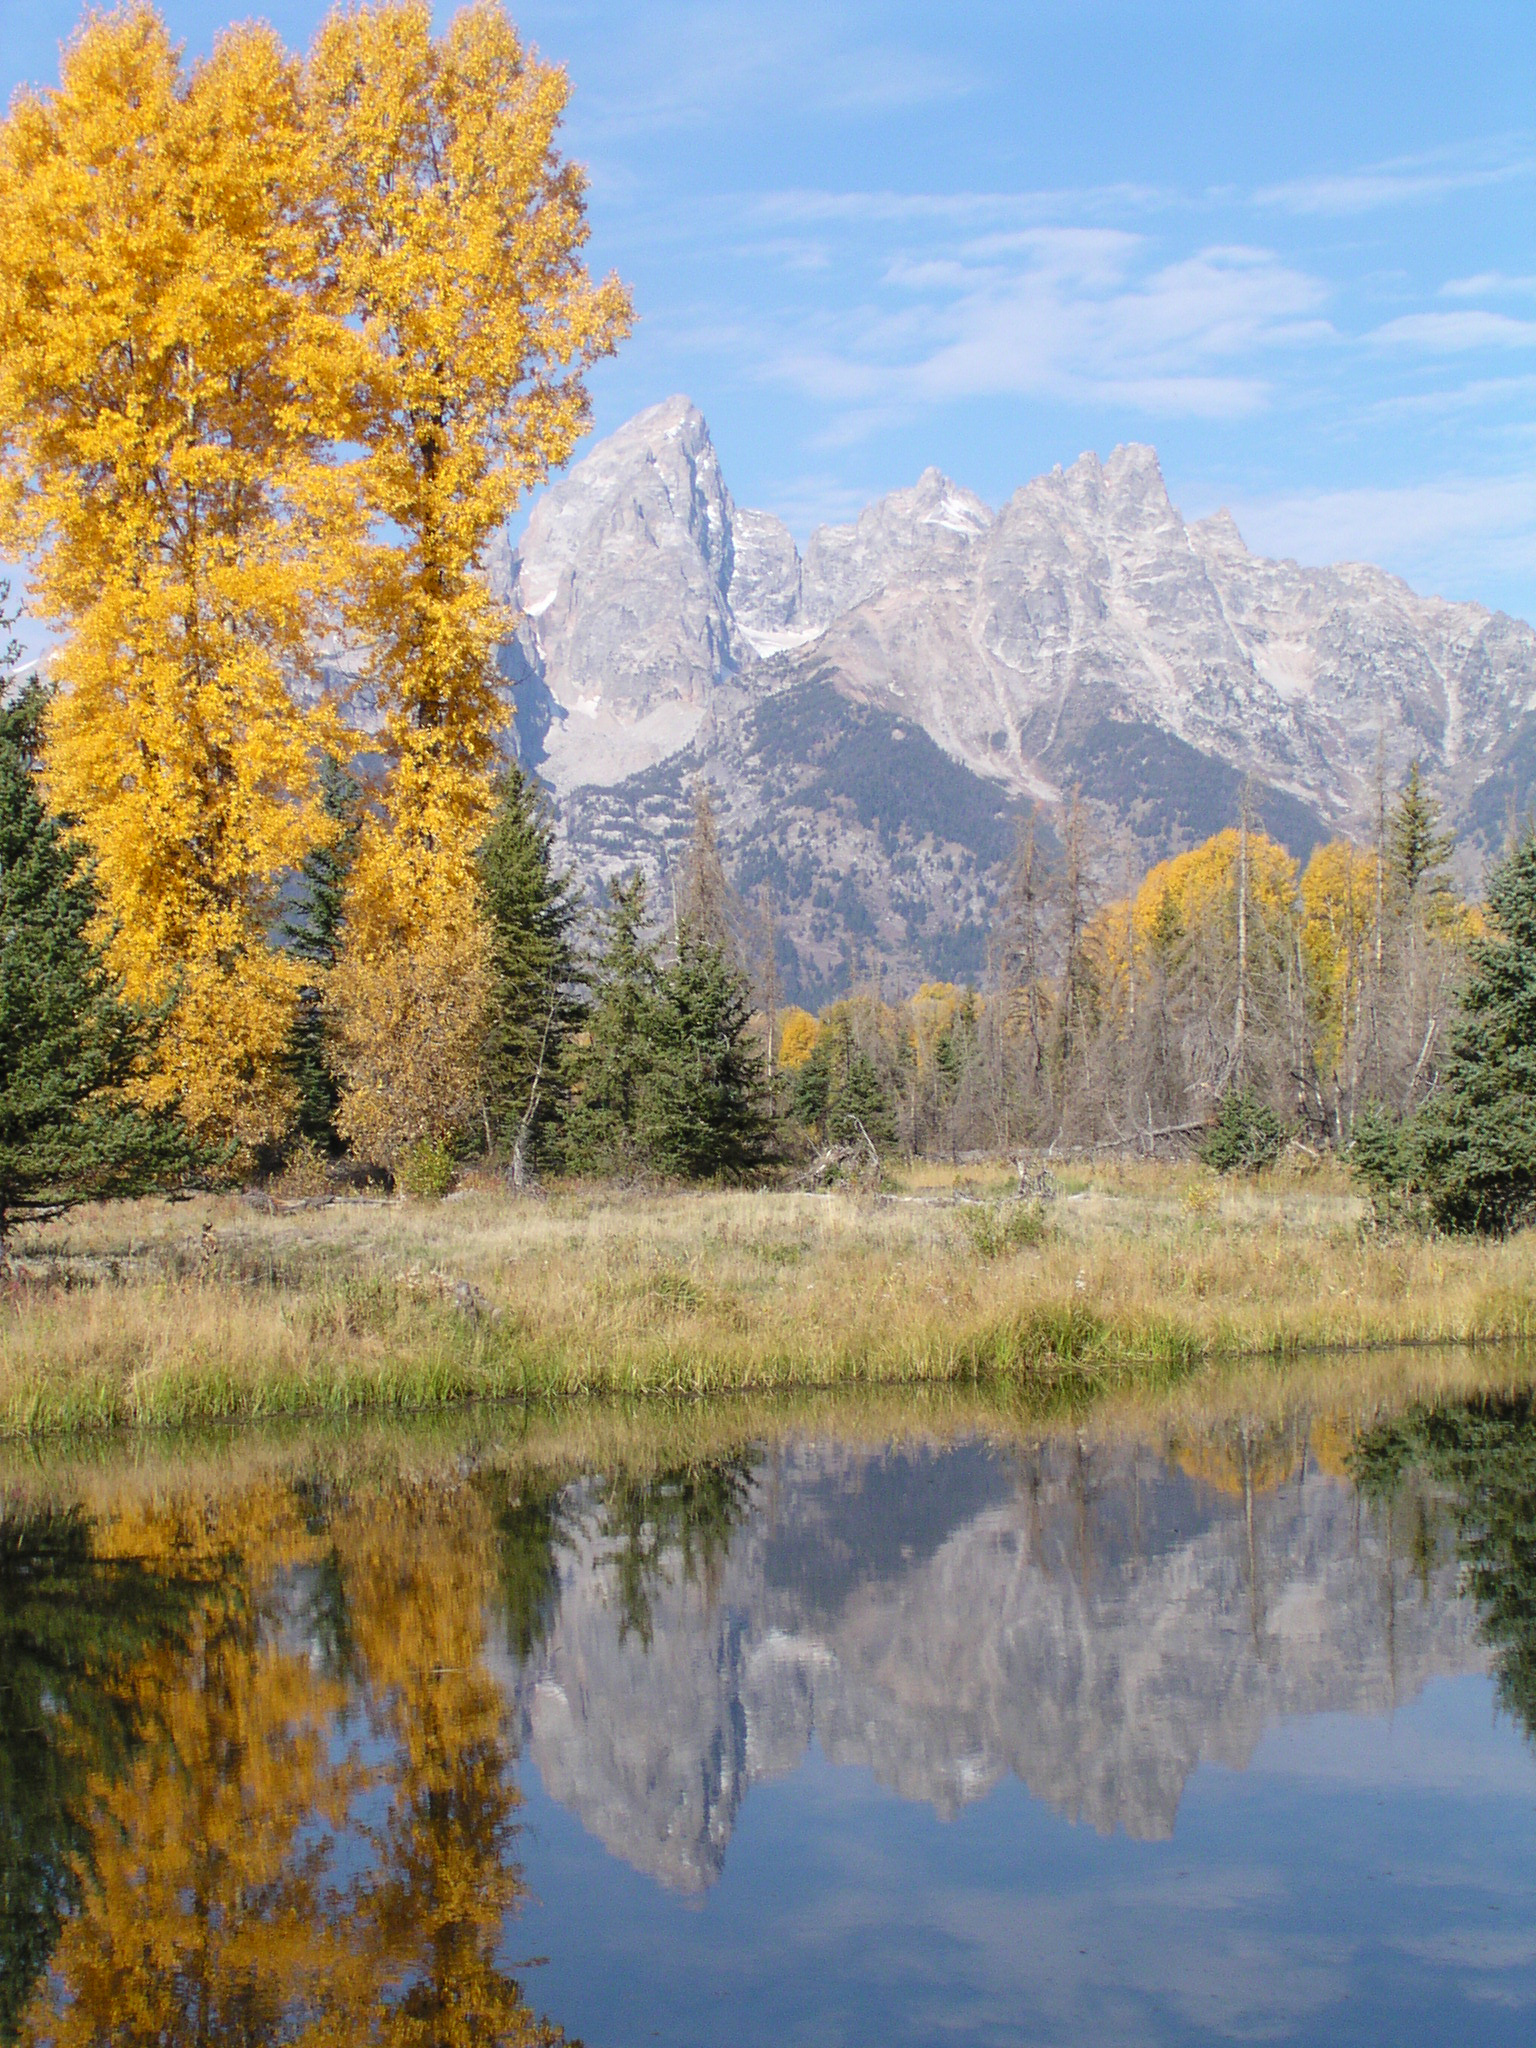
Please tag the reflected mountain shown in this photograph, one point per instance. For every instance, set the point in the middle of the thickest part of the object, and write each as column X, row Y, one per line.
column 1092, row 1619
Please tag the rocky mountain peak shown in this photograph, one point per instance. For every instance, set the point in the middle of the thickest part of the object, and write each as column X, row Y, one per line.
column 1083, row 635
column 1218, row 535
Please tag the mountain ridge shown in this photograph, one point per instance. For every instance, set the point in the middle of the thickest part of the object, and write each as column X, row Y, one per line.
column 1083, row 634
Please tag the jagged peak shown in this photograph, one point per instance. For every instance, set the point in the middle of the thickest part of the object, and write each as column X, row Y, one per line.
column 1220, row 533
column 1133, row 458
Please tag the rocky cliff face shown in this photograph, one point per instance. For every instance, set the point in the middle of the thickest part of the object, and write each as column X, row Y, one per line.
column 1084, row 635
column 1095, row 1623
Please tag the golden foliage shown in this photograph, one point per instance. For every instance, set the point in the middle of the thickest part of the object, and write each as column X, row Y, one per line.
column 410, row 1026
column 797, row 1037
column 1186, row 907
column 156, row 465
column 279, row 350
column 452, row 252
column 1338, row 913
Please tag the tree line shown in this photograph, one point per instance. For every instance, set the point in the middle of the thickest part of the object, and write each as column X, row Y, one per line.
column 1232, row 1000
column 282, row 342
column 1124, row 1019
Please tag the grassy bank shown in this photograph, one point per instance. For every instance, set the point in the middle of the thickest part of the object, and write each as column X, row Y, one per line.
column 162, row 1313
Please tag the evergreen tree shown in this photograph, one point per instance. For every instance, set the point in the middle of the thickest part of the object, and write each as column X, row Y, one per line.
column 838, row 1090
column 312, row 931
column 1416, row 847
column 610, row 1069
column 535, row 1006
column 1246, row 1136
column 699, row 1111
column 1472, row 1148
column 1481, row 1460
column 859, row 1107
column 70, row 1047
column 73, row 1627
column 705, row 904
column 813, row 1085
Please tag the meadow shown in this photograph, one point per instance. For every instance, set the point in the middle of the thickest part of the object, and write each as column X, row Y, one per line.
column 158, row 1312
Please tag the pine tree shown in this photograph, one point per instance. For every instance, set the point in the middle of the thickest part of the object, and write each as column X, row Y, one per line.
column 838, row 1092
column 813, row 1083
column 608, row 1072
column 312, row 930
column 1416, row 847
column 535, row 1006
column 699, row 1111
column 70, row 1047
column 705, row 902
column 859, row 1107
column 1472, row 1148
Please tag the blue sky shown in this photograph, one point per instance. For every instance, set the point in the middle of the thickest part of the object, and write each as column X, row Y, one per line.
column 1291, row 245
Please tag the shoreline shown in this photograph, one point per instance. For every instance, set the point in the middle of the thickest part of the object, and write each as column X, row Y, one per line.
column 1137, row 1279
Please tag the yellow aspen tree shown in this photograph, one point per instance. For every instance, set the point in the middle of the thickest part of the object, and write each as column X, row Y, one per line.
column 455, row 232
column 157, row 466
column 1338, row 896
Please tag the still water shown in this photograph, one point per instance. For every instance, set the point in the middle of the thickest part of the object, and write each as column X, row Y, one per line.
column 826, row 1730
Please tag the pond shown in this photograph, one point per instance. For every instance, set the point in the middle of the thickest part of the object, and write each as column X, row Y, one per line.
column 840, row 1725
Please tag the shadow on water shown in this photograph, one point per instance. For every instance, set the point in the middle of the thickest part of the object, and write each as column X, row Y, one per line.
column 262, row 1704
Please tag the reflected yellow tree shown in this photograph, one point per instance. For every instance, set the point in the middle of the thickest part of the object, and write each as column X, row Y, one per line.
column 260, row 1871
column 418, row 1565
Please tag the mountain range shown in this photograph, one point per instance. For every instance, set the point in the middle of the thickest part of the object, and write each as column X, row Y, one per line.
column 875, row 714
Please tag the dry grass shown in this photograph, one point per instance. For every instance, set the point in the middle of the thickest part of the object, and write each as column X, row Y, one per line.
column 160, row 1313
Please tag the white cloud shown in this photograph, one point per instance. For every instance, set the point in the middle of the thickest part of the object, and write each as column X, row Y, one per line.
column 917, row 208
column 806, row 502
column 1445, row 535
column 1477, row 394
column 1489, row 284
column 1398, row 183
column 695, row 63
column 1066, row 313
column 1451, row 333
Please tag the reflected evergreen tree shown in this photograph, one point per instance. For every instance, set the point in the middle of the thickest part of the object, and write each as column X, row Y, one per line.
column 1483, row 1456
column 72, row 1629
column 529, row 1531
column 680, row 1519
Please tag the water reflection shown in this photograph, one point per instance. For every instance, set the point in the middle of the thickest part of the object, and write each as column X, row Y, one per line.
column 1091, row 1619
column 260, row 1733
column 1480, row 1461
column 278, row 1801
